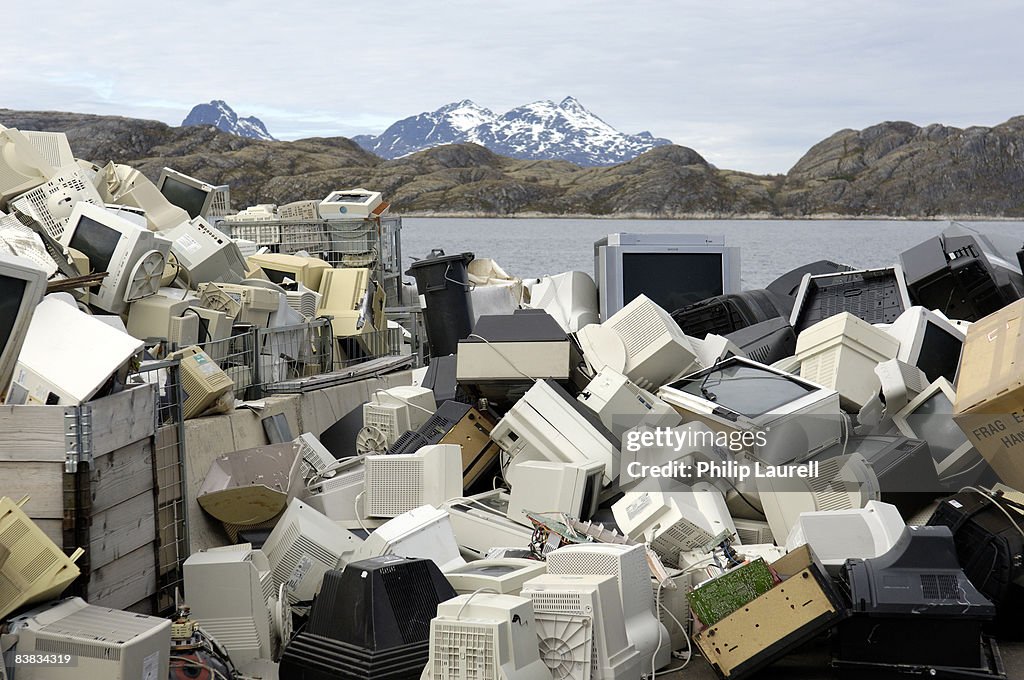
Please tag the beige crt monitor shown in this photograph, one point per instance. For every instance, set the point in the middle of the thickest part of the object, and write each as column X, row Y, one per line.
column 353, row 300
column 22, row 167
column 124, row 185
column 277, row 267
column 150, row 318
column 202, row 381
column 35, row 569
column 244, row 303
column 22, row 286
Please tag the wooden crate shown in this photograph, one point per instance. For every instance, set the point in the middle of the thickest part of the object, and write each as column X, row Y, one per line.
column 107, row 506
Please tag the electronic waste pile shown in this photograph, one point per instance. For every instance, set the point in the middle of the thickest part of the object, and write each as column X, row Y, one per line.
column 587, row 481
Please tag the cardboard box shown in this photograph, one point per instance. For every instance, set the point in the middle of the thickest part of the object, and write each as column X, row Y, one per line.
column 989, row 404
column 803, row 606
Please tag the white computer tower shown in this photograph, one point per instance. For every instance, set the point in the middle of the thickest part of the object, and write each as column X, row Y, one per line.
column 105, row 643
column 398, row 483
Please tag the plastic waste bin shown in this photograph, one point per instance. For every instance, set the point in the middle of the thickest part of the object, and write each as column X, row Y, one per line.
column 443, row 284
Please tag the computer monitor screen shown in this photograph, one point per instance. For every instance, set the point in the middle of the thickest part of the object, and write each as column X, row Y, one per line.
column 12, row 292
column 673, row 280
column 940, row 353
column 188, row 198
column 278, row 276
column 748, row 390
column 96, row 241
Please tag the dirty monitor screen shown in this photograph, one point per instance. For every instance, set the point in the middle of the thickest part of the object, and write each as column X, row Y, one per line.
column 746, row 390
column 96, row 241
column 188, row 198
column 12, row 291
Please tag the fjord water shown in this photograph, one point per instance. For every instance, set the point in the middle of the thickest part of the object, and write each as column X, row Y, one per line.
column 534, row 247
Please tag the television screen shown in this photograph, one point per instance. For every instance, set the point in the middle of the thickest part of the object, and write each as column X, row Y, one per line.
column 672, row 280
column 747, row 390
column 96, row 241
column 933, row 422
column 940, row 353
column 12, row 290
column 188, row 198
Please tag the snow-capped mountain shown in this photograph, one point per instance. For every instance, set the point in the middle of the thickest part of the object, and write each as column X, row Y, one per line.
column 542, row 130
column 218, row 114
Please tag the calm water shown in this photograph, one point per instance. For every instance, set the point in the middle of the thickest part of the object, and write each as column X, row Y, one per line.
column 534, row 247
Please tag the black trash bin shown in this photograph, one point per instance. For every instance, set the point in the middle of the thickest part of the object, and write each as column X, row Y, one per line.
column 443, row 284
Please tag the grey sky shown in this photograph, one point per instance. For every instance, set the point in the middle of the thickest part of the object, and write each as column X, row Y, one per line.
column 750, row 85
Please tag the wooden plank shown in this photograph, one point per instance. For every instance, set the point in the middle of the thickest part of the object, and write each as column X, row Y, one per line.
column 124, row 581
column 121, row 529
column 42, row 481
column 122, row 474
column 32, row 433
column 123, row 418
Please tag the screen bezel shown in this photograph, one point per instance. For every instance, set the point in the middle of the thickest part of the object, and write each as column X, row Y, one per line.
column 608, row 269
column 952, row 463
column 191, row 182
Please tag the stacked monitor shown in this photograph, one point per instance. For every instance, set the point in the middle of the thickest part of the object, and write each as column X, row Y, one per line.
column 277, row 267
column 424, row 532
column 203, row 254
column 398, row 483
column 22, row 286
column 348, row 204
column 674, row 270
column 188, row 193
column 22, row 167
column 128, row 253
column 929, row 341
column 505, row 575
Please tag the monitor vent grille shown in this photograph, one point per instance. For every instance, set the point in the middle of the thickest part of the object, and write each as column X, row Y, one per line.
column 463, row 651
column 940, row 587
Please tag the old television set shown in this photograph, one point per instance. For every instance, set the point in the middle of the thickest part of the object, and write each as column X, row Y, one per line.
column 675, row 522
column 68, row 356
column 22, row 286
column 505, row 575
column 548, row 424
column 642, row 342
column 124, row 185
column 129, row 254
column 674, row 270
column 739, row 394
column 50, row 204
column 424, row 532
column 842, row 483
column 107, row 643
column 929, row 341
column 277, row 267
column 348, row 204
column 192, row 195
column 229, row 591
column 582, row 618
column 628, row 564
column 204, row 254
column 22, row 167
column 303, row 546
column 545, row 487
column 398, row 483
column 504, row 634
column 929, row 416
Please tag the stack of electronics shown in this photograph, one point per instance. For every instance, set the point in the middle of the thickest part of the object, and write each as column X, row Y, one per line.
column 147, row 271
column 624, row 469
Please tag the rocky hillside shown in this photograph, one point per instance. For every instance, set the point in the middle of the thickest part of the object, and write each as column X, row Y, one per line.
column 890, row 169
